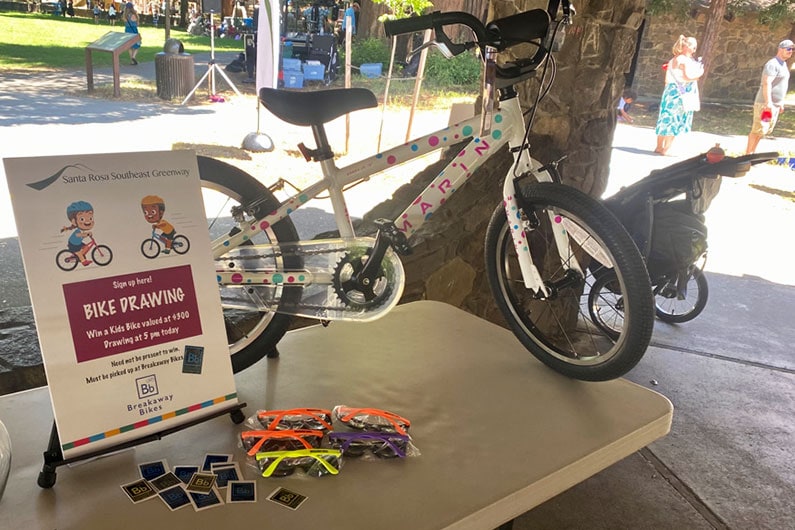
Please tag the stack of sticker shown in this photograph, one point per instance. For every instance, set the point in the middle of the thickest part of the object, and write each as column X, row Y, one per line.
column 197, row 486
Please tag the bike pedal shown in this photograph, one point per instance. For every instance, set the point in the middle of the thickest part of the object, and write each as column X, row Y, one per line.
column 396, row 238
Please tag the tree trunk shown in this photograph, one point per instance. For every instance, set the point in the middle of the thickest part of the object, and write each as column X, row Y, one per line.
column 706, row 48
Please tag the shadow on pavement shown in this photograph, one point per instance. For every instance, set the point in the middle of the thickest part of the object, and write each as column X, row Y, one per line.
column 52, row 106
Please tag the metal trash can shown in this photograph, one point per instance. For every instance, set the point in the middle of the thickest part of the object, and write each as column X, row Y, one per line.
column 174, row 71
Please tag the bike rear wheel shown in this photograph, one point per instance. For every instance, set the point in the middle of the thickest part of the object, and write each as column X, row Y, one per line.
column 251, row 334
column 181, row 244
column 558, row 329
column 66, row 260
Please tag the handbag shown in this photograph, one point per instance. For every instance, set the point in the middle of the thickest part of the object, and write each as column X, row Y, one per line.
column 689, row 94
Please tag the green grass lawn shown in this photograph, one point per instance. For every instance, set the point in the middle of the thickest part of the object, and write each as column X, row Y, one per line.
column 36, row 41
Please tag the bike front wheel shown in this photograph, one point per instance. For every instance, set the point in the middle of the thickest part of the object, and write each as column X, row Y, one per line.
column 150, row 248
column 673, row 308
column 251, row 334
column 102, row 255
column 557, row 327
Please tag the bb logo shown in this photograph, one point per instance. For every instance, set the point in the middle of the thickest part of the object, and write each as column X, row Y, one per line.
column 147, row 386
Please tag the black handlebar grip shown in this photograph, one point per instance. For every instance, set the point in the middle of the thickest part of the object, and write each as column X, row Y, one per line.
column 521, row 27
column 435, row 21
column 409, row 25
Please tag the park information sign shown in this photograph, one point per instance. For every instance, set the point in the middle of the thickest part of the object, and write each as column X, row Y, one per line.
column 121, row 277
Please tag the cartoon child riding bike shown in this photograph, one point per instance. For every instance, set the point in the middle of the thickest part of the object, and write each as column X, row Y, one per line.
column 81, row 240
column 163, row 232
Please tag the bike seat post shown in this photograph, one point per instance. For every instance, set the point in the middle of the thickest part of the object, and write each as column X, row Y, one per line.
column 325, row 156
column 323, row 151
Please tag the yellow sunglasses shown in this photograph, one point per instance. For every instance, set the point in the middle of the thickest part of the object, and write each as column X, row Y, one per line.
column 314, row 462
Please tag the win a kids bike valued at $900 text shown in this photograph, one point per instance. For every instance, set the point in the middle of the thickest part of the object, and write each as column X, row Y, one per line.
column 545, row 245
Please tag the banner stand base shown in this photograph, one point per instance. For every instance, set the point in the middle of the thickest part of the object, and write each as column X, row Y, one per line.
column 53, row 456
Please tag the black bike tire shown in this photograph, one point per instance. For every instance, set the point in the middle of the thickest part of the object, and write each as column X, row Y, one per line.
column 64, row 265
column 97, row 252
column 180, row 248
column 150, row 242
column 595, row 293
column 245, row 188
column 701, row 302
column 630, row 267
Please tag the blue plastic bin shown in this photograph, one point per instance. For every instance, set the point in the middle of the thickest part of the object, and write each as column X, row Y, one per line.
column 371, row 69
column 292, row 65
column 314, row 72
column 293, row 79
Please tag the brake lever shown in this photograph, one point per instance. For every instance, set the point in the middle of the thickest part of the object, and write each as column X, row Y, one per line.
column 568, row 12
column 443, row 48
column 430, row 44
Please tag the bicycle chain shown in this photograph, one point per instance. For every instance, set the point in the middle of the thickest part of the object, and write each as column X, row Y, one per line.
column 344, row 308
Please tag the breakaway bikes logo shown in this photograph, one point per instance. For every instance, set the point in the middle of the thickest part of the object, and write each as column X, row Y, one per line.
column 146, row 386
column 150, row 402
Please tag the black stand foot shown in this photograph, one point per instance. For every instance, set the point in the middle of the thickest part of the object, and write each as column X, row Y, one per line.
column 237, row 416
column 273, row 354
column 46, row 478
column 53, row 456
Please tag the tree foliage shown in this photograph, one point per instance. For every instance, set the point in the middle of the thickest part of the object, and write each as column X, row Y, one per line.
column 768, row 12
column 679, row 8
column 403, row 8
column 778, row 11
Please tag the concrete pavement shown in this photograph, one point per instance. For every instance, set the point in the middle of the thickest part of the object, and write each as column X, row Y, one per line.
column 730, row 373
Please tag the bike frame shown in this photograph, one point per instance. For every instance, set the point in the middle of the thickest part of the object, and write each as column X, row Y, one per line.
column 507, row 126
column 91, row 244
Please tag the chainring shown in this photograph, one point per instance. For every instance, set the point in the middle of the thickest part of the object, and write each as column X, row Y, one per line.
column 351, row 292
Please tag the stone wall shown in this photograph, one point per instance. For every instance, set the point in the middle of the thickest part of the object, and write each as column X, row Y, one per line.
column 744, row 45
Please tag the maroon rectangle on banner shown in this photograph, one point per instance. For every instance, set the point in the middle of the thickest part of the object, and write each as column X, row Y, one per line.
column 117, row 314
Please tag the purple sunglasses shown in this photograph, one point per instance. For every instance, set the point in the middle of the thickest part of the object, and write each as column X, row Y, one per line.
column 381, row 444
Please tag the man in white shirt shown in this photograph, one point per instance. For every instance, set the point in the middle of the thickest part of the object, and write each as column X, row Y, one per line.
column 769, row 102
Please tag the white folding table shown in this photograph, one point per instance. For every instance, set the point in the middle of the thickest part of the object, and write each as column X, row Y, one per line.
column 498, row 433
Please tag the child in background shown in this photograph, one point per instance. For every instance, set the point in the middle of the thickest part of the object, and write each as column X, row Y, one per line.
column 624, row 104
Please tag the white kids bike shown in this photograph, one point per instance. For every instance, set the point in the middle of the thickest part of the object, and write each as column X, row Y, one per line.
column 546, row 244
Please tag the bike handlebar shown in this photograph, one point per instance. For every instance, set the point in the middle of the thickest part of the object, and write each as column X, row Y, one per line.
column 526, row 27
column 435, row 21
column 739, row 165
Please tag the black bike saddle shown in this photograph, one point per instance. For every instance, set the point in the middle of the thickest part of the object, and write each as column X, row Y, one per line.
column 315, row 108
